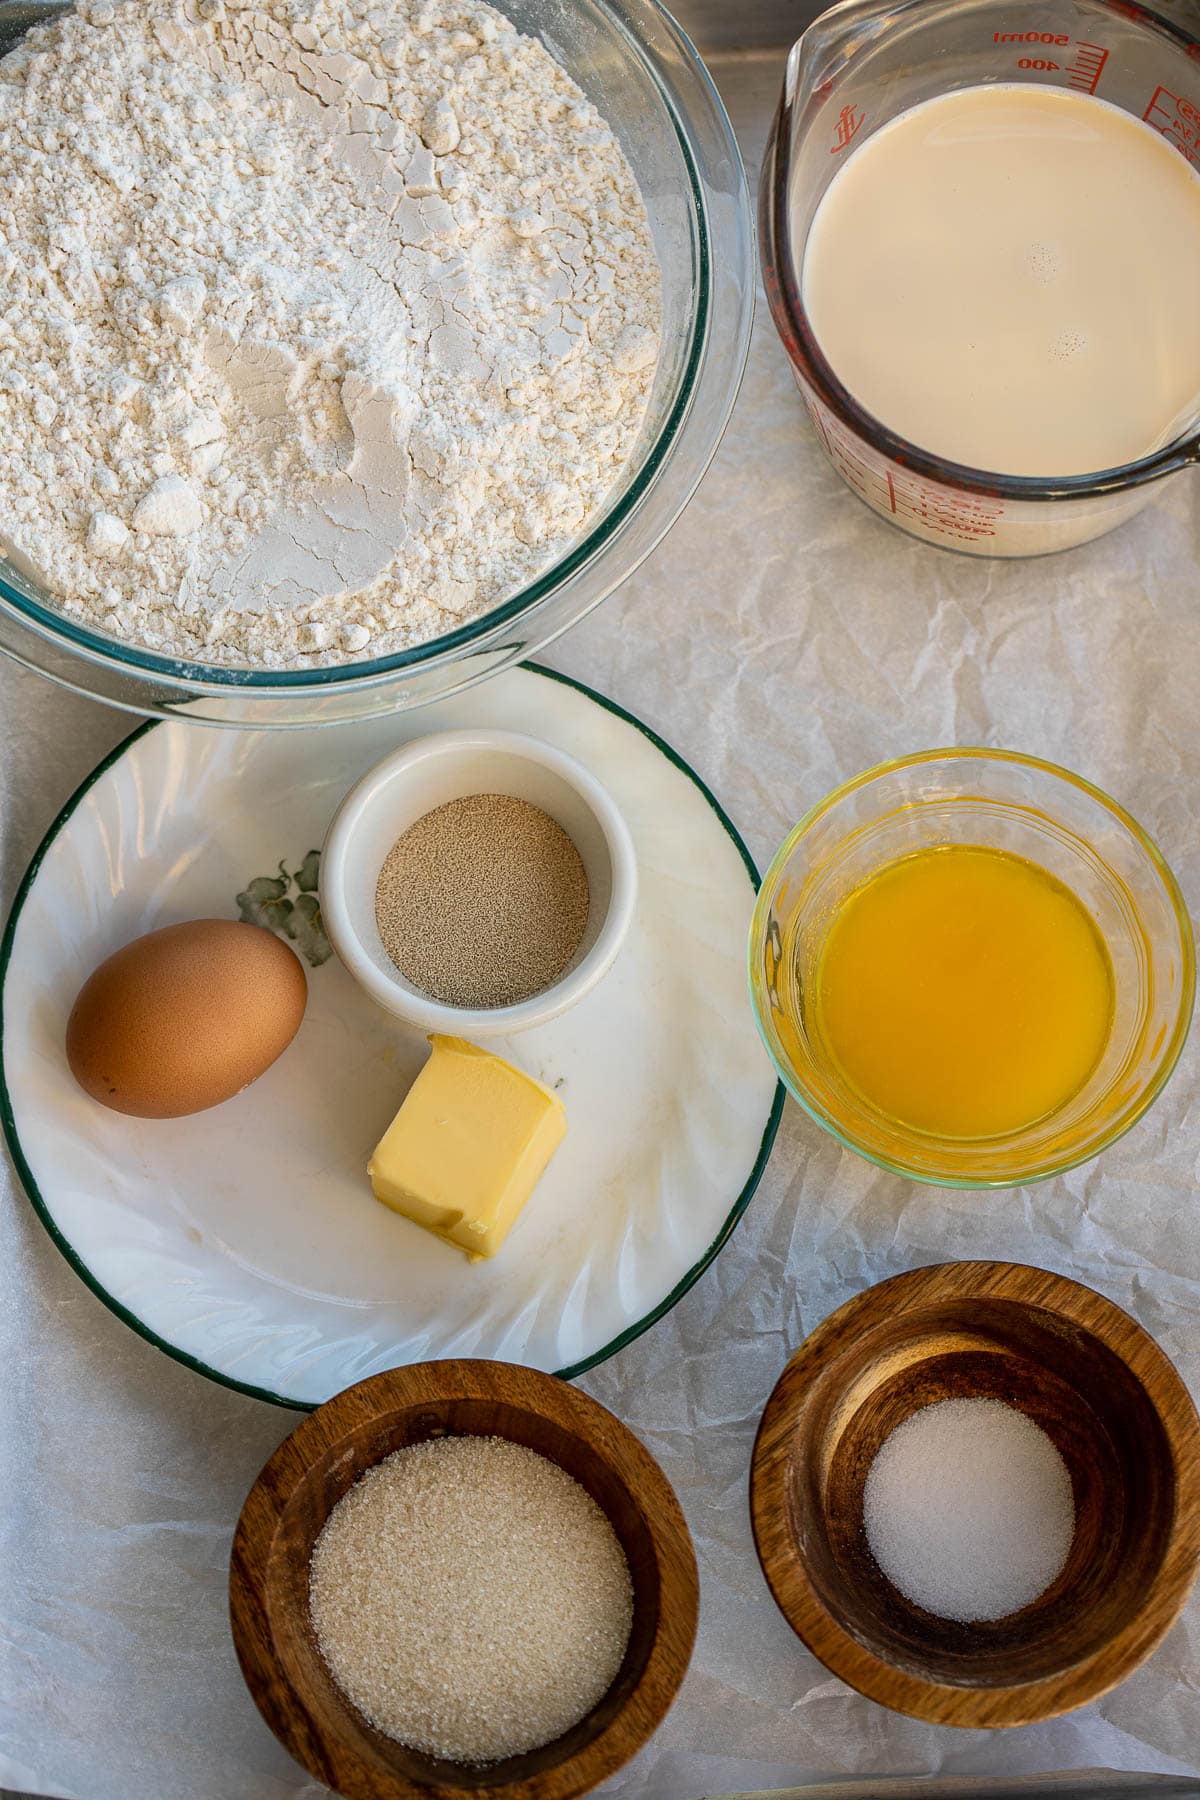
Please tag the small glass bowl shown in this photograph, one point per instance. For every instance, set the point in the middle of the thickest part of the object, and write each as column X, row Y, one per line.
column 1005, row 801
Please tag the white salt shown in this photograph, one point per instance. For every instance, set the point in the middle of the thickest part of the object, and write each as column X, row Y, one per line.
column 968, row 1510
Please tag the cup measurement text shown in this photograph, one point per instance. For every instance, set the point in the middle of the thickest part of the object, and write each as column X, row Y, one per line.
column 1082, row 64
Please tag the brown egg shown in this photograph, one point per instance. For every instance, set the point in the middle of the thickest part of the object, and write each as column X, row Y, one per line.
column 185, row 1017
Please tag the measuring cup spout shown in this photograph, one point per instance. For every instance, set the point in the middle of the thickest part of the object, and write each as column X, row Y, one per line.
column 820, row 54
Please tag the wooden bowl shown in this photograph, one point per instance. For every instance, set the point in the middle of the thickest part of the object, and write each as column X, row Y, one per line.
column 1102, row 1390
column 311, row 1470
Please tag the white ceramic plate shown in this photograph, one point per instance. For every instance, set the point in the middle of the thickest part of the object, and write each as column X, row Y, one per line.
column 245, row 1241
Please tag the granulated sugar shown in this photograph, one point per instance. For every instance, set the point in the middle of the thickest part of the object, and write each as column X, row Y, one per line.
column 483, row 901
column 470, row 1598
column 968, row 1509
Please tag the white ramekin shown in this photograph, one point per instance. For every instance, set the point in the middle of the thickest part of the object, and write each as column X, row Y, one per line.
column 446, row 766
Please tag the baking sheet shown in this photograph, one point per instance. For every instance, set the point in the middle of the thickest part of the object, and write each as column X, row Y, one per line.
column 783, row 638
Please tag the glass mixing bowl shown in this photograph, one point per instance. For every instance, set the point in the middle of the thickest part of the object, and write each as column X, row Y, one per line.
column 647, row 79
column 1004, row 801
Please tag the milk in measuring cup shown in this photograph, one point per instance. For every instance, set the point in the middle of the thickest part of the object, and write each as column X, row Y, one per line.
column 1009, row 277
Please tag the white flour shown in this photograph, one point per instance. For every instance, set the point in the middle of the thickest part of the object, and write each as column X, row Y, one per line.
column 322, row 328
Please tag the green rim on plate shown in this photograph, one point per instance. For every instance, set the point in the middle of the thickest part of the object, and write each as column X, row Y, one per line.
column 12, row 1139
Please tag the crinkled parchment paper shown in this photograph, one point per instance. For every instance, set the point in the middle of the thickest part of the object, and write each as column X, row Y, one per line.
column 783, row 638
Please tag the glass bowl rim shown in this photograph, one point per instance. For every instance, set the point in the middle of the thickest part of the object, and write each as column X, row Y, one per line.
column 784, row 292
column 1166, row 1061
column 347, row 677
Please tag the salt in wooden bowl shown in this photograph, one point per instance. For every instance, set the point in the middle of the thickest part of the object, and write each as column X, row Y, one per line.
column 303, row 1481
column 1111, row 1403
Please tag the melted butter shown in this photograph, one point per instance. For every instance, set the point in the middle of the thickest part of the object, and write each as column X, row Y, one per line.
column 964, row 992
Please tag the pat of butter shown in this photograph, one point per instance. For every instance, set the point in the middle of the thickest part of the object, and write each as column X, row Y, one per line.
column 468, row 1146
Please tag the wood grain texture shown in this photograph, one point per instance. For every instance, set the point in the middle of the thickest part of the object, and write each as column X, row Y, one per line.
column 1108, row 1398
column 311, row 1470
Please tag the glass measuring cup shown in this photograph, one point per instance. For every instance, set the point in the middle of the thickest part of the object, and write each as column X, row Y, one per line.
column 855, row 68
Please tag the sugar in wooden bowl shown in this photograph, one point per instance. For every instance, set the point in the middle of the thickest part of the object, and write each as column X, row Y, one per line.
column 1038, row 1596
column 612, row 1597
column 470, row 1598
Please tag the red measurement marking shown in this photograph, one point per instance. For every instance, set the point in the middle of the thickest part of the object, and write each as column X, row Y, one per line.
column 850, row 120
column 966, row 517
column 1083, row 72
column 1087, row 68
column 1058, row 38
column 963, row 516
column 1177, row 119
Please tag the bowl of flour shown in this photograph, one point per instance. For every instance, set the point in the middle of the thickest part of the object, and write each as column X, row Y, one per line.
column 348, row 351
